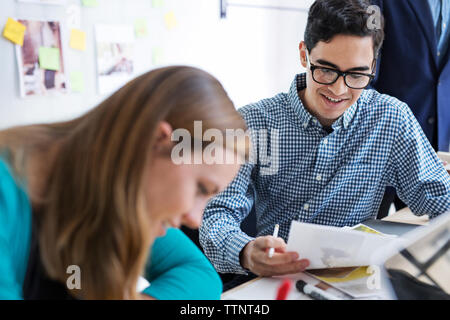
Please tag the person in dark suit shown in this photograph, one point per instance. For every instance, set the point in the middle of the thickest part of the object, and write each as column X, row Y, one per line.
column 414, row 67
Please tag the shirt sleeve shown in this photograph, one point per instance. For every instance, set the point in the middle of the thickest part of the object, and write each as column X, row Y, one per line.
column 15, row 232
column 220, row 233
column 419, row 175
column 178, row 270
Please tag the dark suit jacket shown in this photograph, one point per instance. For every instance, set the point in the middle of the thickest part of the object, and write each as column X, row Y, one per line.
column 408, row 67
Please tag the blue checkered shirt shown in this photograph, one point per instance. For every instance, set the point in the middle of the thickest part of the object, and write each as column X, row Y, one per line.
column 335, row 179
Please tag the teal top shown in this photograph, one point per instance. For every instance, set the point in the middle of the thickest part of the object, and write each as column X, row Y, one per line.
column 177, row 269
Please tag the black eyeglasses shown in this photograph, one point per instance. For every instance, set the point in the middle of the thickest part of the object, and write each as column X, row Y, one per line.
column 327, row 76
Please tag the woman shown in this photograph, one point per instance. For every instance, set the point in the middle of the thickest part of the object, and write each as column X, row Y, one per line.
column 94, row 192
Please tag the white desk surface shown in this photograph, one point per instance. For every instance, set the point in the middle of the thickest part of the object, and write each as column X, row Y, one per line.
column 265, row 288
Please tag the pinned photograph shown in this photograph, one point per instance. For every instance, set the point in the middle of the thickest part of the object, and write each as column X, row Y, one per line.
column 115, row 56
column 40, row 59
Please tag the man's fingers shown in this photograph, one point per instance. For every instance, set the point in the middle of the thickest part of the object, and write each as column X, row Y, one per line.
column 293, row 267
column 263, row 243
column 282, row 269
column 279, row 258
column 280, row 263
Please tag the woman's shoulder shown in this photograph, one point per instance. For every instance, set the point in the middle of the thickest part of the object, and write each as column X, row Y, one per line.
column 8, row 186
column 4, row 168
column 13, row 197
column 15, row 232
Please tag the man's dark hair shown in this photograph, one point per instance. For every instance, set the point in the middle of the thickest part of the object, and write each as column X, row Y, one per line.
column 328, row 18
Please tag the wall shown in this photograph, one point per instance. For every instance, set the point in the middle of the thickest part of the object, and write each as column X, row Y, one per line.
column 253, row 52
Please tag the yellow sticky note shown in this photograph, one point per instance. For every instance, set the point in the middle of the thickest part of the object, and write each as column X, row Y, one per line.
column 14, row 31
column 140, row 28
column 170, row 20
column 78, row 39
column 357, row 273
column 77, row 81
column 49, row 58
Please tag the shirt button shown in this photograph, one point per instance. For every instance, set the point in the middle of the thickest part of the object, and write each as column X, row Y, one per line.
column 305, row 124
column 439, row 53
column 325, row 140
column 431, row 120
column 306, row 206
column 319, row 177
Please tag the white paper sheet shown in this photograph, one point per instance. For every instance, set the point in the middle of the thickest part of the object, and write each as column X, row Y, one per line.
column 332, row 247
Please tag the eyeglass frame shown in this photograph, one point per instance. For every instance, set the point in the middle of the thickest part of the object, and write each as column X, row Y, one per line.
column 340, row 73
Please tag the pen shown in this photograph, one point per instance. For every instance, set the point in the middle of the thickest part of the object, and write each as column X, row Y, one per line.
column 275, row 234
column 313, row 291
column 284, row 290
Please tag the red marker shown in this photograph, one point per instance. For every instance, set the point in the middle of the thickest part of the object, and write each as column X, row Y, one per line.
column 284, row 289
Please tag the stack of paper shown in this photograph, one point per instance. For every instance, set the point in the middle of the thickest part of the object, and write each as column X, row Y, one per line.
column 332, row 247
column 344, row 258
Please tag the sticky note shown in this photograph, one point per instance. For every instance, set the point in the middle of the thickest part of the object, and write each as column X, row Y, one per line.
column 157, row 56
column 140, row 28
column 170, row 20
column 90, row 3
column 78, row 39
column 77, row 81
column 14, row 31
column 49, row 58
column 157, row 4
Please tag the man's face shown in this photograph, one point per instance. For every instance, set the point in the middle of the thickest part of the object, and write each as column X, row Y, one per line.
column 344, row 53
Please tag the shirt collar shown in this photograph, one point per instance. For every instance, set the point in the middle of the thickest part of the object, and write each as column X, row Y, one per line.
column 297, row 85
column 348, row 115
column 306, row 118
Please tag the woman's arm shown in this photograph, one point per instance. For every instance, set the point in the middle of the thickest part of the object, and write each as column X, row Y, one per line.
column 178, row 270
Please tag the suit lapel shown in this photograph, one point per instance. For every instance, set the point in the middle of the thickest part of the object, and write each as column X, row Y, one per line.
column 425, row 18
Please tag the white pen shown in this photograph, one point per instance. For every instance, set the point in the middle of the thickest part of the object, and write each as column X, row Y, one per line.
column 275, row 235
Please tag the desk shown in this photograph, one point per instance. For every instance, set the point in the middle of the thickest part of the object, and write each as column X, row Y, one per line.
column 405, row 215
column 264, row 288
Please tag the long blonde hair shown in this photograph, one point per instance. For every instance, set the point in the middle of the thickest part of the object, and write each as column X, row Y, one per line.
column 93, row 214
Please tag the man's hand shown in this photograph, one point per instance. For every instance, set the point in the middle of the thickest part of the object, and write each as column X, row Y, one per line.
column 255, row 258
column 446, row 166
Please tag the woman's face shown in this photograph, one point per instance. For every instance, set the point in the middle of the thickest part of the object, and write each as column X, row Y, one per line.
column 178, row 194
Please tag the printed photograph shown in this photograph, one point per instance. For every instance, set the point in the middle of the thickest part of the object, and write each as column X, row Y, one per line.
column 40, row 59
column 115, row 51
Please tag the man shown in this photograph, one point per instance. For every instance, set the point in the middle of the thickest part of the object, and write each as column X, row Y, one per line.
column 338, row 146
column 414, row 67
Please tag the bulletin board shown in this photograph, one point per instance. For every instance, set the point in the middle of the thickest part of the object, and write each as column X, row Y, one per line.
column 253, row 51
column 77, row 52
